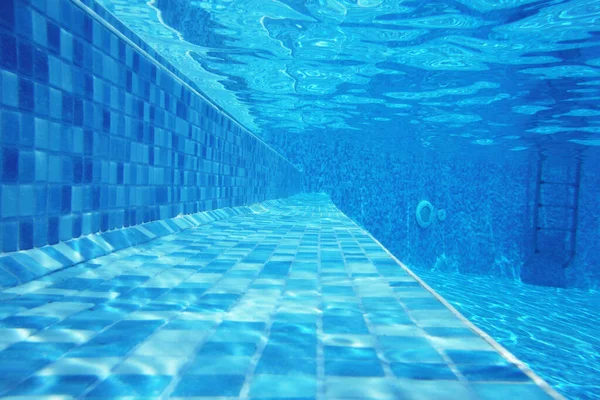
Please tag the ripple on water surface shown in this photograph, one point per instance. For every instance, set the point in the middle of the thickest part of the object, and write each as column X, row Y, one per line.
column 292, row 66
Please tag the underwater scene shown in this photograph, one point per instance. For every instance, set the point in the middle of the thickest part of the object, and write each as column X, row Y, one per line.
column 299, row 199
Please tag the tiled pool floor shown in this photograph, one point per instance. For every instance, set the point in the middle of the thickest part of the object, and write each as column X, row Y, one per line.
column 296, row 302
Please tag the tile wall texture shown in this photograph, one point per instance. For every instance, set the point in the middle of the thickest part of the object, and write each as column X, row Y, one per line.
column 95, row 136
column 489, row 203
column 488, row 224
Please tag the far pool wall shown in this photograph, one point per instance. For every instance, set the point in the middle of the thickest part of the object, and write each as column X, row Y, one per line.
column 97, row 134
column 489, row 223
column 489, row 200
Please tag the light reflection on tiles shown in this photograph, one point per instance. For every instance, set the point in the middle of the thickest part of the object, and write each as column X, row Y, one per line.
column 227, row 309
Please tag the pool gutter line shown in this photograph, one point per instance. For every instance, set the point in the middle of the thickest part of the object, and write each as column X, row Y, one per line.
column 545, row 386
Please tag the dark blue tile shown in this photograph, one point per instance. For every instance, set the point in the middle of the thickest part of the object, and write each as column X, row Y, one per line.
column 40, row 65
column 73, row 385
column 7, row 16
column 227, row 349
column 66, row 14
column 286, row 366
column 53, row 231
column 26, row 166
column 25, row 59
column 9, row 230
column 40, row 232
column 78, row 112
column 422, row 371
column 21, row 368
column 23, row 21
column 353, row 368
column 35, row 351
column 26, row 94
column 286, row 350
column 131, row 385
column 503, row 373
column 78, row 53
column 8, row 50
column 93, row 350
column 26, row 234
column 11, row 127
column 84, row 324
column 475, row 357
column 66, row 192
column 209, row 385
column 53, row 35
column 77, row 226
column 10, row 164
column 27, row 138
column 67, row 107
column 32, row 322
column 42, row 99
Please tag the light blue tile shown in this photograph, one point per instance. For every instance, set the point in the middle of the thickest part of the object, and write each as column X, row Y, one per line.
column 10, row 201
column 9, row 89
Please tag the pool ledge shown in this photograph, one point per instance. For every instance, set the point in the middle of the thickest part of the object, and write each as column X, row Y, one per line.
column 21, row 267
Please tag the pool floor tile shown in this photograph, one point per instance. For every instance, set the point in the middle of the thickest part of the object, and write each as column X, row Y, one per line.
column 293, row 301
column 136, row 385
column 209, row 385
column 353, row 368
column 73, row 385
column 288, row 387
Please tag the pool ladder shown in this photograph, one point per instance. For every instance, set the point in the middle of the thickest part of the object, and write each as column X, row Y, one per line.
column 570, row 192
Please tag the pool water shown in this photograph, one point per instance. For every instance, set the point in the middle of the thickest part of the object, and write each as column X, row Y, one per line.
column 554, row 331
column 195, row 197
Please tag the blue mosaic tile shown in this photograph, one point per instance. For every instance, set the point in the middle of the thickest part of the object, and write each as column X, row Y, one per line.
column 209, row 385
column 227, row 349
column 298, row 386
column 475, row 357
column 73, row 385
column 62, row 59
column 423, row 371
column 286, row 366
column 353, row 368
column 35, row 351
column 130, row 385
column 502, row 373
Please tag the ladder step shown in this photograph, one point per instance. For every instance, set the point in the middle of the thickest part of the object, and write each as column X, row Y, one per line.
column 544, row 228
column 542, row 182
column 556, row 206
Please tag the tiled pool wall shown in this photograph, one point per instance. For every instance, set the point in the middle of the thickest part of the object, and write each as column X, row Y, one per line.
column 96, row 136
column 489, row 203
column 584, row 271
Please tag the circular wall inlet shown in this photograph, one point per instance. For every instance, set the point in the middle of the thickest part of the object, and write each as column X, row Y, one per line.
column 425, row 213
column 441, row 214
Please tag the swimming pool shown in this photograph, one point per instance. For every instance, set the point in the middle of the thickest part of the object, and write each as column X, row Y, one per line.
column 193, row 191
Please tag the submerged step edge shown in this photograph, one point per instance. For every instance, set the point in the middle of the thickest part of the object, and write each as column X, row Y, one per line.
column 20, row 267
